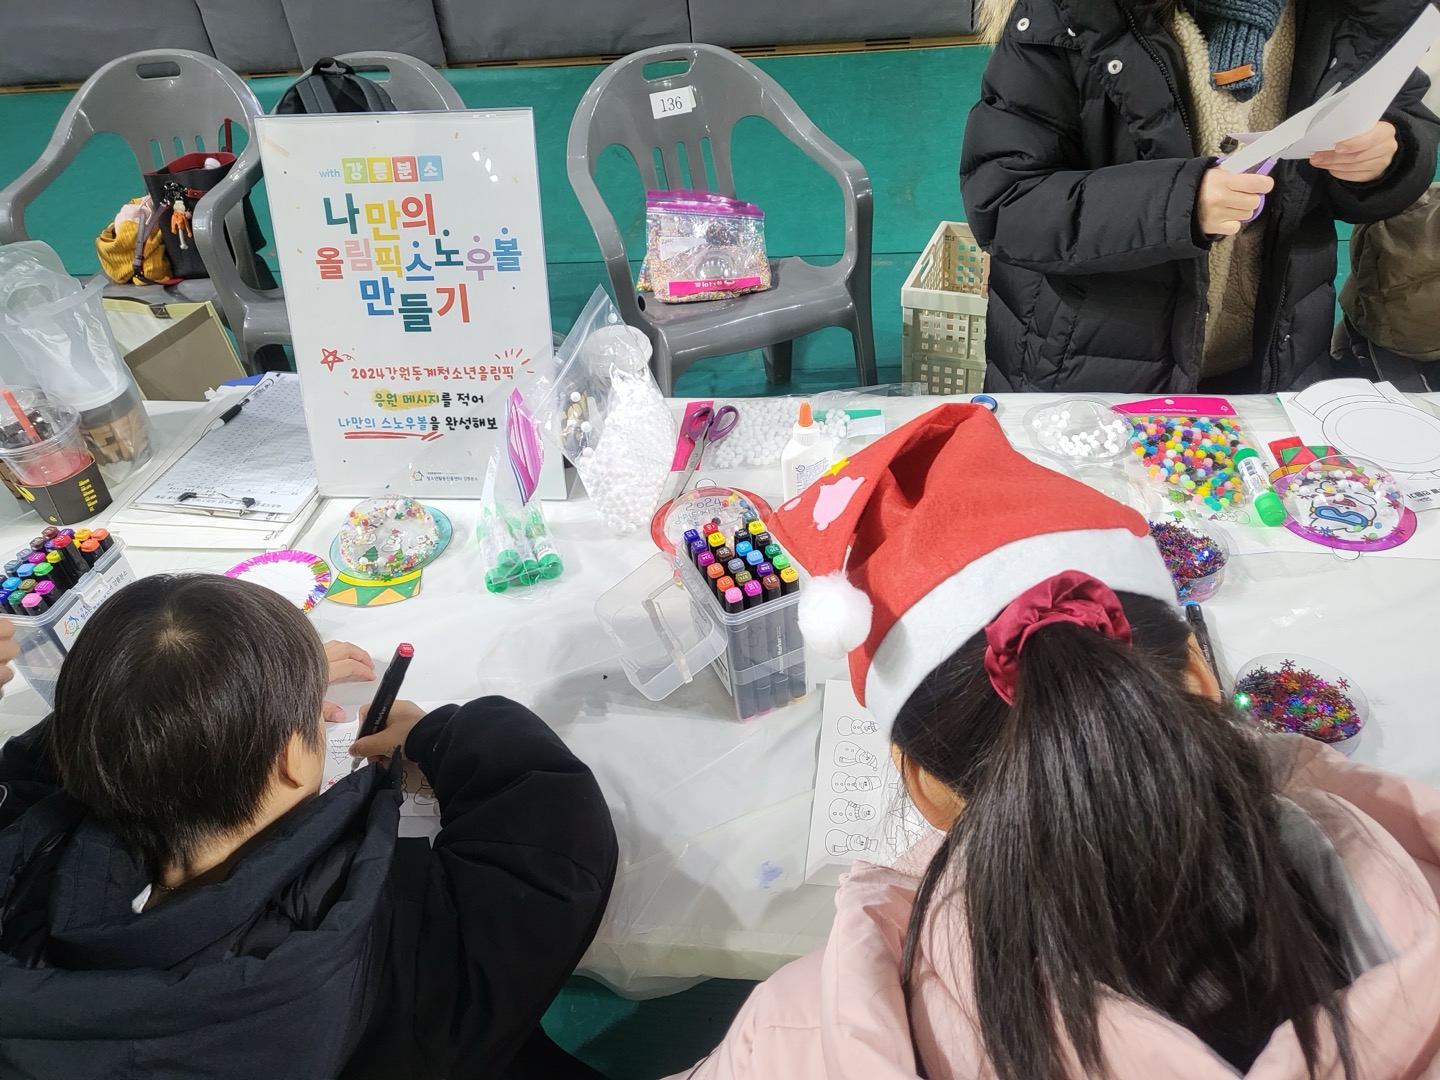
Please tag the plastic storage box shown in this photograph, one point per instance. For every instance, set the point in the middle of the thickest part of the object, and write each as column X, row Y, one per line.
column 943, row 304
column 45, row 640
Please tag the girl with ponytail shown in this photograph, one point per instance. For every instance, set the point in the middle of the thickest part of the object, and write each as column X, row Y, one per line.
column 1125, row 881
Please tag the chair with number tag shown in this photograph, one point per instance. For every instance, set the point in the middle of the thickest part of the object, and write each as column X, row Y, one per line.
column 694, row 113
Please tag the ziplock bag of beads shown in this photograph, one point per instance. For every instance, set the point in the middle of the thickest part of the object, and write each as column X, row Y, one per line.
column 702, row 246
column 1186, row 447
column 613, row 423
column 767, row 422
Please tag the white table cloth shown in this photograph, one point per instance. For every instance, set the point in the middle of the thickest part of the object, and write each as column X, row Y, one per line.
column 712, row 814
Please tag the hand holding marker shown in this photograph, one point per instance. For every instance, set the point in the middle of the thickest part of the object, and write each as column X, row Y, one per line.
column 386, row 693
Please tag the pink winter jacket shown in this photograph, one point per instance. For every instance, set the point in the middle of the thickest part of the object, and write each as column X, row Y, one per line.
column 839, row 1014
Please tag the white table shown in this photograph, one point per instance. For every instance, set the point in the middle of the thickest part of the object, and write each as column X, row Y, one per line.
column 712, row 814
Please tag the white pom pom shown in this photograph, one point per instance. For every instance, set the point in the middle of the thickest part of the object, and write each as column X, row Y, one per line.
column 834, row 615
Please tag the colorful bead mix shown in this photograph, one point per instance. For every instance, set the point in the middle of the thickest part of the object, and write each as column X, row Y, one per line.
column 1293, row 699
column 1191, row 457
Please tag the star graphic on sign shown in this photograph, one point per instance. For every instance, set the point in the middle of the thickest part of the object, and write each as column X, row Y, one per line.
column 331, row 357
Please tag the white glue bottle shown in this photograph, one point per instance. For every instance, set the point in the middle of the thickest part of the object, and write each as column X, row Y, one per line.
column 806, row 457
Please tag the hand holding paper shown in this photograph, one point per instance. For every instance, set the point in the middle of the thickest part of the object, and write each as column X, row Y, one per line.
column 1362, row 159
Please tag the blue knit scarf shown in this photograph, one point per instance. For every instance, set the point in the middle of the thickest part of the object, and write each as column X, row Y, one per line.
column 1236, row 32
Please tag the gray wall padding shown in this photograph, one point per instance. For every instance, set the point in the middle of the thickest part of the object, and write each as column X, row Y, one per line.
column 476, row 30
column 740, row 23
column 249, row 36
column 69, row 40
column 328, row 27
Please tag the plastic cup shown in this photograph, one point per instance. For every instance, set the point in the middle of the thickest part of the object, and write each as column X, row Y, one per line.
column 118, row 431
column 60, row 452
column 1298, row 706
column 1195, row 552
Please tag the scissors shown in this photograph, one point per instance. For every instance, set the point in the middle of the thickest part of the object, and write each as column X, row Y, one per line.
column 1265, row 168
column 706, row 425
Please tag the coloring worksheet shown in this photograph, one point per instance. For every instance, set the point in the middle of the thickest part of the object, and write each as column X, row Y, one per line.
column 860, row 809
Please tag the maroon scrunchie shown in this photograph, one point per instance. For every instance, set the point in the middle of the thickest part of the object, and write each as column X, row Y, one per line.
column 1068, row 597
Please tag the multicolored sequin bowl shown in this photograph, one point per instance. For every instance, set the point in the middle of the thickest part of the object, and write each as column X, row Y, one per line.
column 1298, row 695
column 1196, row 554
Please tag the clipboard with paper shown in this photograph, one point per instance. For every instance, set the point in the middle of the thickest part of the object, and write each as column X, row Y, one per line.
column 1345, row 111
column 255, row 462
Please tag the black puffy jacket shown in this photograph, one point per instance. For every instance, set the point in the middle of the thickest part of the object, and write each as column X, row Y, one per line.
column 1080, row 178
column 333, row 949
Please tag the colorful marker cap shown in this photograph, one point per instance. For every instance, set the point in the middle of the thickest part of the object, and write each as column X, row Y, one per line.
column 698, row 548
column 81, row 535
column 34, row 604
column 734, row 602
column 789, row 581
column 691, row 535
column 753, row 593
column 756, row 527
column 42, row 572
column 11, row 583
column 710, row 527
column 91, row 550
column 734, row 566
column 26, row 584
column 24, row 571
column 771, row 584
column 37, row 558
column 704, row 559
column 755, row 558
column 780, row 562
column 771, row 550
column 45, row 589
column 765, row 570
column 716, row 539
column 50, row 532
column 742, row 577
column 103, row 538
column 763, row 540
column 743, row 548
column 715, row 571
column 725, row 584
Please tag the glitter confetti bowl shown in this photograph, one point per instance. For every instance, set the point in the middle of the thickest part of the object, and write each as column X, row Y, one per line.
column 1195, row 552
column 1298, row 695
column 1080, row 430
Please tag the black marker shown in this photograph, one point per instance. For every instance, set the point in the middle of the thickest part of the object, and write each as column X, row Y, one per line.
column 1196, row 618
column 386, row 692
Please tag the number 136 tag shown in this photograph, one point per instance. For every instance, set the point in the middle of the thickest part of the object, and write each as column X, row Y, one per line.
column 674, row 102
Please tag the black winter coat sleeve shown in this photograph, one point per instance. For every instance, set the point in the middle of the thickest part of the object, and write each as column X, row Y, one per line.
column 521, row 872
column 27, row 772
column 1411, row 173
column 1030, row 206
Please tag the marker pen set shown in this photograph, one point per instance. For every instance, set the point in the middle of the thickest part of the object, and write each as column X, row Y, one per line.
column 50, row 589
column 40, row 574
column 750, row 583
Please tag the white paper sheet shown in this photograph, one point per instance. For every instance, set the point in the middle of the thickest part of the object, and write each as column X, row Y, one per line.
column 860, row 809
column 1351, row 111
column 1377, row 422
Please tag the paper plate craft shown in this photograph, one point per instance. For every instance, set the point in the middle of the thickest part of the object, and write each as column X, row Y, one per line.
column 361, row 592
column 296, row 575
column 381, row 549
column 1347, row 504
column 1296, row 695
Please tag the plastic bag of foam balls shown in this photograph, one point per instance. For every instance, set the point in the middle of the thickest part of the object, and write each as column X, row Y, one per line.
column 760, row 434
column 626, row 472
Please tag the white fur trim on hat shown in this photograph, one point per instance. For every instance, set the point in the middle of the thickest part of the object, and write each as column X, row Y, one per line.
column 960, row 606
column 834, row 615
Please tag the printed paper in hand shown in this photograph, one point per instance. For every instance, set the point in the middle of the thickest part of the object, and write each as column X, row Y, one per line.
column 860, row 809
column 1348, row 112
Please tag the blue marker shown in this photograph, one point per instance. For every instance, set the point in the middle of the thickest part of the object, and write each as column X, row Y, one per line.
column 743, row 548
column 755, row 558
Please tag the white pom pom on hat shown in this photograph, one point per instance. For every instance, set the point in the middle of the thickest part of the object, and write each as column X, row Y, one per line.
column 835, row 616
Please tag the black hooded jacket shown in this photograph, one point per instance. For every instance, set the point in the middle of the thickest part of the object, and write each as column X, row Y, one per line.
column 332, row 950
column 1080, row 178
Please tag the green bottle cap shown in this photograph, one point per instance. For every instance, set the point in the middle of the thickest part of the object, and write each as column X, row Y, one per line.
column 551, row 567
column 497, row 581
column 1270, row 508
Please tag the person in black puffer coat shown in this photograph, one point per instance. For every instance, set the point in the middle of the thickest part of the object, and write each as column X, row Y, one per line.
column 1087, row 174
column 178, row 899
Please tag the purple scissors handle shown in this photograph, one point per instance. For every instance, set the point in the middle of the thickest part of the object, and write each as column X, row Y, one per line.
column 707, row 425
column 1265, row 168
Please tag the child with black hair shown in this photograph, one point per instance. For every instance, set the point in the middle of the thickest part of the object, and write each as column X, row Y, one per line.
column 1127, row 882
column 176, row 901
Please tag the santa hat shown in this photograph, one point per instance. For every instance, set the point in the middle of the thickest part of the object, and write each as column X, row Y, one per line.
column 920, row 540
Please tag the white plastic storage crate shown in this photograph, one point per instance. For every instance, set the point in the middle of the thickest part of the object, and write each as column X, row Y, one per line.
column 943, row 306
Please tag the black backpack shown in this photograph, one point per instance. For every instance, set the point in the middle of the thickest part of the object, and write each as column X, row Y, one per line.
column 333, row 87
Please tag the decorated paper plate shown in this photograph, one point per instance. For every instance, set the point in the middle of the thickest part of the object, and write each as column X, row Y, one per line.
column 693, row 509
column 296, row 575
column 388, row 539
column 1347, row 504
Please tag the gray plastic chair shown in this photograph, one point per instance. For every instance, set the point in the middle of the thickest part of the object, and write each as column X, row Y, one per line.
column 258, row 317
column 163, row 103
column 617, row 110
